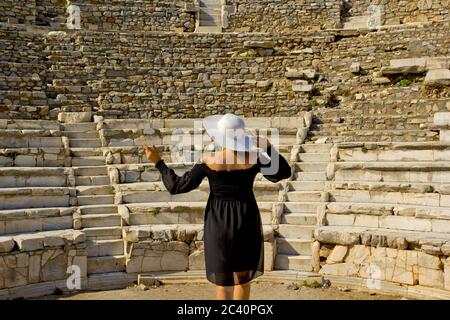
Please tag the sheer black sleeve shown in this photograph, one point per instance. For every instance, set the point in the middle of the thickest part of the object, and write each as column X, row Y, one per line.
column 275, row 168
column 187, row 182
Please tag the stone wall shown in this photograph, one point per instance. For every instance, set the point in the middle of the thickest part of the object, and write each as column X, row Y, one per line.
column 32, row 266
column 129, row 15
column 176, row 75
column 282, row 15
column 22, row 12
column 398, row 12
column 377, row 264
column 51, row 13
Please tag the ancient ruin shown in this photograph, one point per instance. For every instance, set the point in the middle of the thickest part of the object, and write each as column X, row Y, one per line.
column 356, row 90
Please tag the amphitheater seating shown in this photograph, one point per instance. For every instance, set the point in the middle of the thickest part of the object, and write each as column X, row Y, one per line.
column 359, row 111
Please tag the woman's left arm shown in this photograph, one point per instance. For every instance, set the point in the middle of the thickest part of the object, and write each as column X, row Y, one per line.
column 175, row 184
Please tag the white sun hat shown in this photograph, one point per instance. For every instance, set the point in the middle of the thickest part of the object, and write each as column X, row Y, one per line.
column 229, row 131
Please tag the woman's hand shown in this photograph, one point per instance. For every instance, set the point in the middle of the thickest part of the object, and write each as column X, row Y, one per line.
column 152, row 154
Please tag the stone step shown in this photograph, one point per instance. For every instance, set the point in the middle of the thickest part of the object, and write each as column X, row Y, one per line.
column 88, row 161
column 208, row 29
column 91, row 171
column 94, row 190
column 82, row 134
column 106, row 264
column 211, row 10
column 299, row 218
column 110, row 281
column 304, row 232
column 311, row 166
column 290, row 246
column 95, row 199
column 314, row 157
column 86, row 152
column 156, row 192
column 103, row 233
column 209, row 3
column 293, row 262
column 316, row 147
column 310, row 176
column 100, row 248
column 311, row 196
column 357, row 22
column 101, row 220
column 306, row 185
column 83, row 126
column 301, row 207
column 77, row 143
column 92, row 180
column 98, row 209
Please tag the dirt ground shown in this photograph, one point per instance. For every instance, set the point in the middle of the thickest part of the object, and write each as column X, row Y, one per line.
column 206, row 291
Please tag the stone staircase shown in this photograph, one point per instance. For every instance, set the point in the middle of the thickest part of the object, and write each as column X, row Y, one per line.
column 210, row 16
column 304, row 194
column 356, row 22
column 98, row 216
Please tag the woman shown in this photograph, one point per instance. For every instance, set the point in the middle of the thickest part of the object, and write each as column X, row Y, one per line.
column 233, row 237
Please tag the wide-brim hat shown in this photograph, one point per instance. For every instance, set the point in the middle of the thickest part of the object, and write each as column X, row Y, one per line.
column 229, row 131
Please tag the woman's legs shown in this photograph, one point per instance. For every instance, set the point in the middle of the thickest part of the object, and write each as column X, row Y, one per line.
column 237, row 292
column 241, row 291
column 224, row 293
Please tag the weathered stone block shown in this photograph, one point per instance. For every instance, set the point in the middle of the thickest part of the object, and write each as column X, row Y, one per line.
column 431, row 277
column 337, row 255
column 197, row 260
column 6, row 244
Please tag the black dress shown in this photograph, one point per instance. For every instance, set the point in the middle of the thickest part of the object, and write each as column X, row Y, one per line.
column 233, row 236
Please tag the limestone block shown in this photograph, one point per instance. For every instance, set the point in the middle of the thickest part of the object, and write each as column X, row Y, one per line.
column 315, row 249
column 81, row 262
column 402, row 276
column 447, row 274
column 438, row 77
column 441, row 118
column 174, row 261
column 25, row 161
column 55, row 268
column 74, row 117
column 362, row 220
column 301, row 87
column 355, row 67
column 410, row 65
column 337, row 237
column 269, row 255
column 358, row 254
column 340, row 269
column 429, row 261
column 197, row 260
column 34, row 269
column 337, row 255
column 445, row 248
column 15, row 277
column 340, row 219
column 29, row 242
column 6, row 244
column 431, row 277
column 444, row 136
column 404, row 223
column 134, row 264
column 442, row 226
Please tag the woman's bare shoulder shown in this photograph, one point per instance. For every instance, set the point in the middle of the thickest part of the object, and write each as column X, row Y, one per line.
column 209, row 158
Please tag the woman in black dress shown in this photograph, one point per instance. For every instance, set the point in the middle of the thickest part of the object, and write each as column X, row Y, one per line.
column 233, row 236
